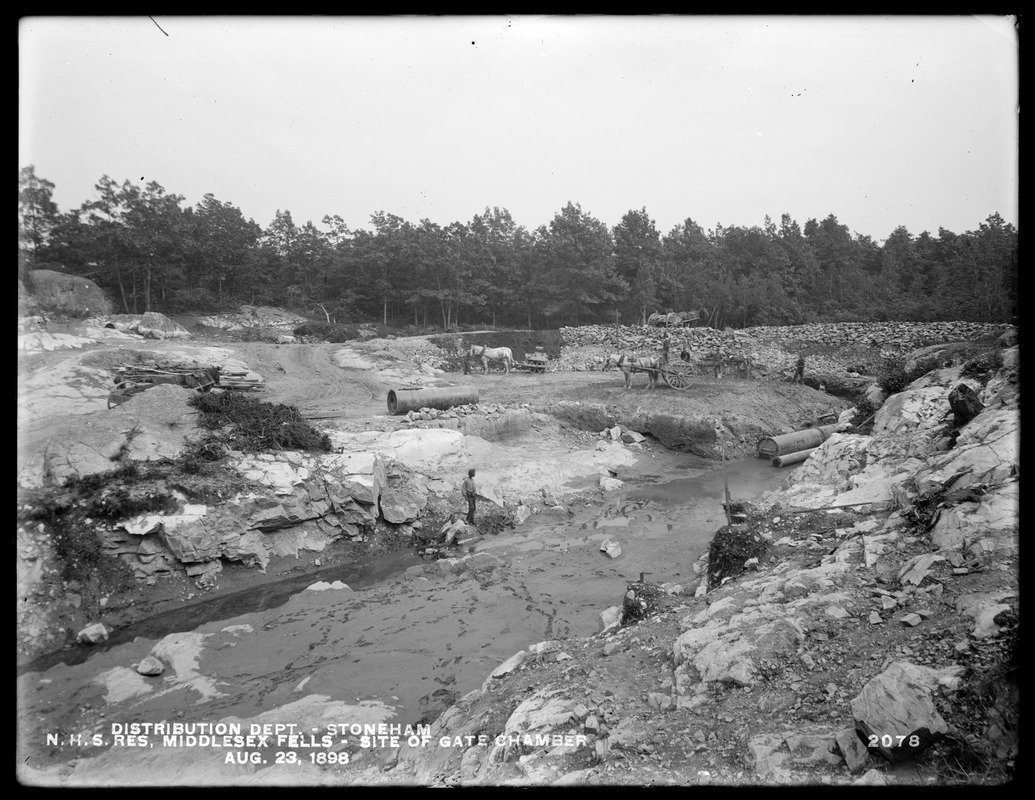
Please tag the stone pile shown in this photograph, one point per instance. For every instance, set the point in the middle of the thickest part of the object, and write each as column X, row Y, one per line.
column 254, row 317
column 770, row 350
column 455, row 412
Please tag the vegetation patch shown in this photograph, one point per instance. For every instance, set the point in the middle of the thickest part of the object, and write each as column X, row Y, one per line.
column 893, row 377
column 983, row 366
column 731, row 547
column 328, row 331
column 254, row 426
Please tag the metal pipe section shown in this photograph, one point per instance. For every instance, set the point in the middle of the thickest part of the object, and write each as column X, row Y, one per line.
column 786, row 443
column 793, row 458
column 402, row 400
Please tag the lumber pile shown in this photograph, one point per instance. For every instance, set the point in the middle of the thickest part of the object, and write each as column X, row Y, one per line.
column 191, row 375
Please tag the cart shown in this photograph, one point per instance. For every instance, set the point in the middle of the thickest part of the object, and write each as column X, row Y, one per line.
column 677, row 374
column 535, row 362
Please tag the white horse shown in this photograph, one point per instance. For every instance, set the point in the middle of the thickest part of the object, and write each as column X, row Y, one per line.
column 630, row 364
column 487, row 354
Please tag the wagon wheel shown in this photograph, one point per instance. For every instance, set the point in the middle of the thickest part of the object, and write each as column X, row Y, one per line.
column 537, row 369
column 678, row 375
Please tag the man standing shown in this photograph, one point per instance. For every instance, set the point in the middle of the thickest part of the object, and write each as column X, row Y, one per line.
column 469, row 491
column 799, row 369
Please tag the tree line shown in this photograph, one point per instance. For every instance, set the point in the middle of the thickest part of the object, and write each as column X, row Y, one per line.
column 151, row 253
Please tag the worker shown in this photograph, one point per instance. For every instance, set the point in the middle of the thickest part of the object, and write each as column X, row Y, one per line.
column 664, row 349
column 469, row 491
column 799, row 369
column 718, row 362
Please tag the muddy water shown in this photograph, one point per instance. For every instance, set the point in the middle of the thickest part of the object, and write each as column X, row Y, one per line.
column 408, row 643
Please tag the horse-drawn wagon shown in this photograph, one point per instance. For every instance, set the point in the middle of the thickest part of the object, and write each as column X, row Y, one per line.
column 676, row 374
column 534, row 362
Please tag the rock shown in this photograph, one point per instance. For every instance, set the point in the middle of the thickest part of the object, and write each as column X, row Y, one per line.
column 875, row 618
column 509, row 665
column 915, row 570
column 769, row 757
column 154, row 325
column 873, row 777
column 897, row 708
column 613, row 549
column 609, row 484
column 632, row 437
column 912, row 620
column 610, row 618
column 984, row 608
column 521, row 513
column 67, row 294
column 93, row 634
column 161, row 423
column 322, row 586
column 965, row 404
column 149, row 665
column 854, row 750
column 403, row 500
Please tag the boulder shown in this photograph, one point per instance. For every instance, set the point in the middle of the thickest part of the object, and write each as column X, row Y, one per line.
column 149, row 665
column 906, row 425
column 67, row 294
column 965, row 404
column 150, row 426
column 154, row 325
column 610, row 618
column 403, row 500
column 93, row 634
column 897, row 709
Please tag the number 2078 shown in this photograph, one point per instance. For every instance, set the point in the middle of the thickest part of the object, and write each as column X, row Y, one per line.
column 893, row 741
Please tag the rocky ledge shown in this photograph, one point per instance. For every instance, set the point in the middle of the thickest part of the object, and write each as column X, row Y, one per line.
column 872, row 644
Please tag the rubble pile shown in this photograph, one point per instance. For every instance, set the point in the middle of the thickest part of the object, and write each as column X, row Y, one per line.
column 455, row 412
column 768, row 350
column 254, row 317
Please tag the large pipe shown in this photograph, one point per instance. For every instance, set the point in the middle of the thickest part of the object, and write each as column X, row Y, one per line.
column 793, row 442
column 793, row 458
column 402, row 400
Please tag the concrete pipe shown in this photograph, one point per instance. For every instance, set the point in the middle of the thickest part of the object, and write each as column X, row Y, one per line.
column 402, row 400
column 793, row 458
column 773, row 446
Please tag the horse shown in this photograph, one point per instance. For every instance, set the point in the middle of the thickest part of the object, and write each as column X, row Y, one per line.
column 630, row 364
column 488, row 354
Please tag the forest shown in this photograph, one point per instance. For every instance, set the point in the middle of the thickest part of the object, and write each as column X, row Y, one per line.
column 150, row 252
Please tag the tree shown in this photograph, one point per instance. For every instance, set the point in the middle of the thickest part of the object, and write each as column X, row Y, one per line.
column 638, row 259
column 136, row 235
column 494, row 254
column 37, row 213
column 224, row 250
column 580, row 268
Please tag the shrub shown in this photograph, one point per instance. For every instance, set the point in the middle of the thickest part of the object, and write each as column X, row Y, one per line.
column 891, row 374
column 893, row 377
column 731, row 546
column 983, row 366
column 254, row 426
column 328, row 331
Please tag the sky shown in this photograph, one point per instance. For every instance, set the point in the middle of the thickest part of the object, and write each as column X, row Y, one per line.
column 880, row 121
